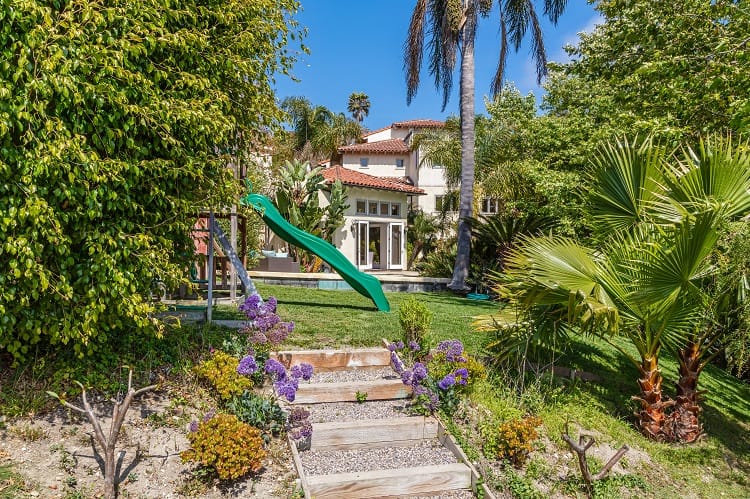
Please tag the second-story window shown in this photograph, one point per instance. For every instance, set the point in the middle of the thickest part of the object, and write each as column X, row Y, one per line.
column 399, row 163
column 364, row 162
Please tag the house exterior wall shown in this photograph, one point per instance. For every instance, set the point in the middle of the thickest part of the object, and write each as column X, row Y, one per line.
column 345, row 238
column 379, row 165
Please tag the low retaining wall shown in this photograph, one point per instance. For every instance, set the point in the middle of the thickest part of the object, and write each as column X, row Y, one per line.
column 390, row 282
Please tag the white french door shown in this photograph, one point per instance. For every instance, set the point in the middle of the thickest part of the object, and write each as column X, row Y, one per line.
column 396, row 245
column 363, row 245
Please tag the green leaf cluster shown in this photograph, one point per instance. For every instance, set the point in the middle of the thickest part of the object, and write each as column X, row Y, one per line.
column 115, row 123
column 677, row 67
column 261, row 412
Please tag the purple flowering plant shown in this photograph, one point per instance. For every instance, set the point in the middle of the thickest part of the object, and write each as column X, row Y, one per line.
column 265, row 329
column 429, row 393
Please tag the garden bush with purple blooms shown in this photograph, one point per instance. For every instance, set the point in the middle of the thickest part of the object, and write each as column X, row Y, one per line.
column 265, row 329
column 435, row 387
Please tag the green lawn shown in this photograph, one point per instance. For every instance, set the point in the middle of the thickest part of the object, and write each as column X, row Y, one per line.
column 335, row 318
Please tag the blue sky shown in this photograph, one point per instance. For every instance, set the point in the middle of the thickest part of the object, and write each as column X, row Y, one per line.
column 357, row 46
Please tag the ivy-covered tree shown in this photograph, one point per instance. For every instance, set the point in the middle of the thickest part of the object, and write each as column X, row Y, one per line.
column 113, row 120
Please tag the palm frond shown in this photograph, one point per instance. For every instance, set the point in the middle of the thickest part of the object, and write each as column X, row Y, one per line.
column 497, row 80
column 715, row 177
column 414, row 48
column 626, row 182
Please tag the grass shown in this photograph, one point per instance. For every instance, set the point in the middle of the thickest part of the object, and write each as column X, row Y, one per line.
column 12, row 484
column 335, row 318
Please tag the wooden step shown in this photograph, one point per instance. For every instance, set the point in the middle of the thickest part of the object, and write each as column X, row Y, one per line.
column 346, row 391
column 394, row 482
column 336, row 360
column 373, row 433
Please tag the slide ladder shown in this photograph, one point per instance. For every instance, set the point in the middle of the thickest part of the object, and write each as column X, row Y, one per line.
column 364, row 284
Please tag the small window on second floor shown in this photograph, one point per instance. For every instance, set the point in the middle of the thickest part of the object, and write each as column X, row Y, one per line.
column 364, row 162
column 372, row 208
column 384, row 209
column 399, row 163
column 395, row 209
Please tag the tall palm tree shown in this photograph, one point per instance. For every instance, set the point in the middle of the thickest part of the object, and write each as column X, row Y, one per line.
column 451, row 26
column 648, row 280
column 359, row 106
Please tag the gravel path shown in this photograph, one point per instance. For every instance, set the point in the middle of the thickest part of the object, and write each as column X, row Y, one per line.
column 348, row 461
column 355, row 411
column 364, row 374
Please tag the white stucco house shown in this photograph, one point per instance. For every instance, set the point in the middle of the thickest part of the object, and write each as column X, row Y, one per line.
column 384, row 180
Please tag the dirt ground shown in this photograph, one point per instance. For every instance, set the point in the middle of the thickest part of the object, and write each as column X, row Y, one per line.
column 55, row 454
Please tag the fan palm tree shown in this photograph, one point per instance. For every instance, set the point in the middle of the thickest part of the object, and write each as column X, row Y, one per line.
column 648, row 280
column 451, row 26
column 359, row 106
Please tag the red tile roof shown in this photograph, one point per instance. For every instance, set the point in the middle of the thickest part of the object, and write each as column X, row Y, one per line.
column 390, row 146
column 409, row 124
column 359, row 179
column 419, row 124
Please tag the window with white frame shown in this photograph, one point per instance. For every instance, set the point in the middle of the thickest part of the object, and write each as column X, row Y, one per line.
column 446, row 202
column 489, row 206
column 364, row 162
column 399, row 163
column 375, row 207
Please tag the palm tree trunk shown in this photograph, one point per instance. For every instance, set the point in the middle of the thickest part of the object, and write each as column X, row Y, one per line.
column 463, row 233
column 685, row 418
column 651, row 416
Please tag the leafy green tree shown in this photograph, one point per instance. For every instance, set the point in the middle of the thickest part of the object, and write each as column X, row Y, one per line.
column 359, row 106
column 678, row 67
column 113, row 122
column 451, row 26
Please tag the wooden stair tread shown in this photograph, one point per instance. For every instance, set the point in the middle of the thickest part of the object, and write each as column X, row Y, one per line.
column 346, row 391
column 373, row 433
column 391, row 482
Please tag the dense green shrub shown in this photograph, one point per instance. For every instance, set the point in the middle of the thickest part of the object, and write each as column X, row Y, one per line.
column 115, row 123
column 221, row 373
column 415, row 319
column 227, row 445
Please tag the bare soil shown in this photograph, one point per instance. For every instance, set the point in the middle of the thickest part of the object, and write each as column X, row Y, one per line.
column 56, row 455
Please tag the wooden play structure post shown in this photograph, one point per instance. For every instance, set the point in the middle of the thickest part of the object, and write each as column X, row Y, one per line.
column 211, row 266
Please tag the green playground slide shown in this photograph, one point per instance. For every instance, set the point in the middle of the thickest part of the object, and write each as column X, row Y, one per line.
column 364, row 284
